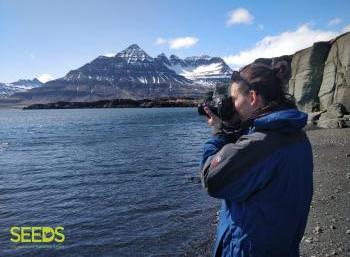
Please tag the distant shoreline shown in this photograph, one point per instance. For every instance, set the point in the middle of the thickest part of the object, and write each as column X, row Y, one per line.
column 117, row 103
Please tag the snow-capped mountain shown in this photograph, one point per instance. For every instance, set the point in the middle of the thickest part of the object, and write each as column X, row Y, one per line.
column 7, row 89
column 132, row 65
column 202, row 69
column 132, row 74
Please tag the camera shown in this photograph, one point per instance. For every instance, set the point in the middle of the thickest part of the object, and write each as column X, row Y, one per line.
column 221, row 106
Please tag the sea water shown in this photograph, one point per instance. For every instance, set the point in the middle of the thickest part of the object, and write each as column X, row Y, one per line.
column 119, row 181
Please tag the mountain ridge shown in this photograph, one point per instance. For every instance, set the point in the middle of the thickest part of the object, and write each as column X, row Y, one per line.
column 132, row 74
column 22, row 85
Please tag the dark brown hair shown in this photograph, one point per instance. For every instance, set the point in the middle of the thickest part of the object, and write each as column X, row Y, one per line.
column 266, row 81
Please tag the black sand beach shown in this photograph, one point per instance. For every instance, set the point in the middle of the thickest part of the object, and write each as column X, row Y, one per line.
column 328, row 229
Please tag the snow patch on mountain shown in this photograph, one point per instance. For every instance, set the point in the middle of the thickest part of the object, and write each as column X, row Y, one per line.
column 7, row 89
column 134, row 54
column 213, row 70
column 203, row 69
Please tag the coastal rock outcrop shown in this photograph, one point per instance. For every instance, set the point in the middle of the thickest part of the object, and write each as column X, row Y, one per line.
column 118, row 103
column 335, row 87
column 307, row 69
column 319, row 80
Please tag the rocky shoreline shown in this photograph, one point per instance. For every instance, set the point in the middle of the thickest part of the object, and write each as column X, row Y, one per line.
column 118, row 103
column 328, row 229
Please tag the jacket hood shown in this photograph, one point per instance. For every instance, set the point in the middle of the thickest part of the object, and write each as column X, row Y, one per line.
column 286, row 121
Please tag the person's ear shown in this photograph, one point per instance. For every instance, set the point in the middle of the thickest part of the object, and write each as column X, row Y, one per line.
column 253, row 97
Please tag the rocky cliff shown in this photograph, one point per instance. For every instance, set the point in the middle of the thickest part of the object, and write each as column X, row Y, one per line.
column 319, row 80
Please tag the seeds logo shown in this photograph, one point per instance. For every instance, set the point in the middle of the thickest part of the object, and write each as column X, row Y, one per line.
column 37, row 234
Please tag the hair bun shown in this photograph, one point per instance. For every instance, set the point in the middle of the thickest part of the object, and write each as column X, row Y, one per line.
column 281, row 70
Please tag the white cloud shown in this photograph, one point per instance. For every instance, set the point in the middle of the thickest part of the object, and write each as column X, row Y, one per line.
column 45, row 78
column 346, row 28
column 177, row 43
column 183, row 42
column 335, row 21
column 161, row 41
column 287, row 42
column 240, row 16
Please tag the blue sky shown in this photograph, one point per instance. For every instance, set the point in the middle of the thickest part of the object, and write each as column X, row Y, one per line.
column 46, row 39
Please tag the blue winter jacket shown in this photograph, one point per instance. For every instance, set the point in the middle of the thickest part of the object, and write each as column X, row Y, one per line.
column 265, row 181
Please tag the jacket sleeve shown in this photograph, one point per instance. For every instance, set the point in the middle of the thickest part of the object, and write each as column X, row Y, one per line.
column 238, row 169
column 212, row 146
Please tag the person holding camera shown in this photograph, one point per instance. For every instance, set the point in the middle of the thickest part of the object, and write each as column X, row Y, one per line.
column 261, row 169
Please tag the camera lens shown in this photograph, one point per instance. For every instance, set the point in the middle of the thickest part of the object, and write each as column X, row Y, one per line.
column 226, row 109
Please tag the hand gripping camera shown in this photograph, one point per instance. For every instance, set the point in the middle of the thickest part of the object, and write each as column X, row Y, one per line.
column 221, row 106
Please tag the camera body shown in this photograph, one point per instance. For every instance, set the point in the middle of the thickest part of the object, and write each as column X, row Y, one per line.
column 221, row 106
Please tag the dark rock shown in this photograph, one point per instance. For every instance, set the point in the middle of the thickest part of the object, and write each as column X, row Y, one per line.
column 307, row 71
column 318, row 230
column 314, row 116
column 309, row 240
column 331, row 123
column 117, row 103
column 335, row 110
column 335, row 87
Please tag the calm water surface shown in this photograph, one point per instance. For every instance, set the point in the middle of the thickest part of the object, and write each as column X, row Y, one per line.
column 117, row 180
